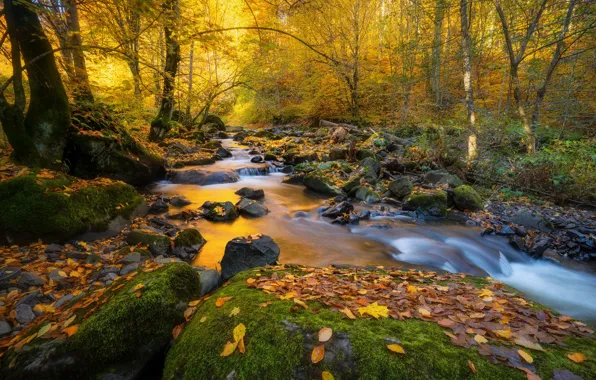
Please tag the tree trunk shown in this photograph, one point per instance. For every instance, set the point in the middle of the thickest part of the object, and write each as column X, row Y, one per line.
column 190, row 66
column 81, row 87
column 436, row 53
column 160, row 126
column 466, row 50
column 39, row 137
column 541, row 92
column 530, row 141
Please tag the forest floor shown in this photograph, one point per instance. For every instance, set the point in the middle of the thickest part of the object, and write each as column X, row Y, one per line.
column 49, row 290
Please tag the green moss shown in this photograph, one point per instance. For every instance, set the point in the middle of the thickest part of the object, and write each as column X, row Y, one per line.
column 31, row 210
column 274, row 351
column 189, row 237
column 466, row 198
column 434, row 203
column 126, row 324
column 319, row 182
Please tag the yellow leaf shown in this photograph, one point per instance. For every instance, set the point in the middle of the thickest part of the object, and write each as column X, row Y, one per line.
column 374, row 310
column 44, row 330
column 138, row 287
column 301, row 303
column 325, row 334
column 241, row 347
column 229, row 349
column 480, row 339
column 485, row 293
column 348, row 313
column 239, row 332
column 189, row 312
column 289, row 296
column 362, row 291
column 396, row 348
column 265, row 304
column 527, row 357
column 194, row 303
column 472, row 366
column 411, row 289
column 577, row 357
column 62, row 273
column 235, row 312
column 70, row 331
column 69, row 321
column 318, row 353
column 250, row 281
column 203, row 319
column 503, row 333
column 325, row 375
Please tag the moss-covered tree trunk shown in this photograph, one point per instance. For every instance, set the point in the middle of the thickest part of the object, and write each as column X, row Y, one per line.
column 39, row 136
column 160, row 126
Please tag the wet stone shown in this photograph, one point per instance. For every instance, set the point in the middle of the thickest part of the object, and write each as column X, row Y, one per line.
column 24, row 313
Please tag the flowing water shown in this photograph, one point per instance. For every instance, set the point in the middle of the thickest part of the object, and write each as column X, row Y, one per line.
column 307, row 238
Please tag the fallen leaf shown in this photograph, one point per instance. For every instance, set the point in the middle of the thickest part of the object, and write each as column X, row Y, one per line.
column 138, row 294
column 325, row 375
column 318, row 353
column 69, row 321
column 446, row 323
column 503, row 333
column 241, row 347
column 239, row 332
column 577, row 357
column 220, row 301
column 325, row 334
column 265, row 304
column 138, row 287
column 524, row 342
column 189, row 312
column 229, row 349
column 374, row 310
column 362, row 291
column 301, row 303
column 396, row 348
column 42, row 331
column 203, row 319
column 194, row 303
column 348, row 313
column 235, row 312
column 472, row 366
column 480, row 339
column 527, row 357
column 250, row 281
column 177, row 330
column 424, row 312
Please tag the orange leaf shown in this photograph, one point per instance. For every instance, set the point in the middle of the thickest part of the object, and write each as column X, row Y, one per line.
column 527, row 357
column 229, row 349
column 177, row 330
column 241, row 347
column 71, row 330
column 348, row 313
column 472, row 366
column 325, row 375
column 221, row 301
column 577, row 357
column 325, row 334
column 318, row 353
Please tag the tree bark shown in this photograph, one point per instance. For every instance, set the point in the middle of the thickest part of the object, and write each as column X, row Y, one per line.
column 470, row 110
column 190, row 67
column 160, row 126
column 39, row 136
column 81, row 87
column 436, row 53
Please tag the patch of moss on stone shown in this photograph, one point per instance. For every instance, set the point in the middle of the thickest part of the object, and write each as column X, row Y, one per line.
column 277, row 345
column 466, row 198
column 31, row 210
column 188, row 238
column 319, row 182
column 128, row 324
column 434, row 203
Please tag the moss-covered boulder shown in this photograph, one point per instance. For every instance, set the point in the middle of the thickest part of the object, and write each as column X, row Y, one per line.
column 121, row 337
column 364, row 153
column 317, row 181
column 466, row 198
column 401, row 187
column 190, row 237
column 158, row 244
column 34, row 208
column 432, row 203
column 99, row 145
column 442, row 177
column 280, row 334
column 367, row 195
column 370, row 169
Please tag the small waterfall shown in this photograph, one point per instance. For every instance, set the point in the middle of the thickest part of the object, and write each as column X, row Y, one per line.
column 256, row 171
column 504, row 264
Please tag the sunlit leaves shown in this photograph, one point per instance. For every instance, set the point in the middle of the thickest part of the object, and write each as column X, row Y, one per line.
column 396, row 348
column 527, row 357
column 577, row 357
column 318, row 353
column 230, row 347
column 374, row 310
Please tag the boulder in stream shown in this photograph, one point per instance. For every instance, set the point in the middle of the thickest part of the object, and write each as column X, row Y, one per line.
column 401, row 187
column 466, row 198
column 432, row 203
column 317, row 181
column 244, row 253
column 187, row 243
column 219, row 211
column 203, row 177
column 250, row 193
column 442, row 177
column 252, row 208
column 157, row 243
column 338, row 210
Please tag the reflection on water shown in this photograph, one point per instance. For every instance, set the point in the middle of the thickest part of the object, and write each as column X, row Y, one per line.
column 306, row 238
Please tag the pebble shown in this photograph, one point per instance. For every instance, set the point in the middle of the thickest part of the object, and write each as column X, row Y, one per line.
column 24, row 313
column 53, row 248
column 5, row 328
column 129, row 268
column 56, row 276
column 31, row 279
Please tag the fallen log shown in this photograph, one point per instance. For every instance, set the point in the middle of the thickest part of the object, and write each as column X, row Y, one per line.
column 330, row 124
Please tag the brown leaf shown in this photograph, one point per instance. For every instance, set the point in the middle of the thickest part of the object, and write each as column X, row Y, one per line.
column 229, row 349
column 472, row 366
column 177, row 330
column 318, row 353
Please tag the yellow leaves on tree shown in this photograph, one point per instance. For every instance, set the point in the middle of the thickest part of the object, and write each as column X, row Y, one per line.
column 318, row 353
column 374, row 310
column 230, row 347
column 396, row 348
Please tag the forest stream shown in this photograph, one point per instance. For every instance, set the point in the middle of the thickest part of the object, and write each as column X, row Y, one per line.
column 304, row 237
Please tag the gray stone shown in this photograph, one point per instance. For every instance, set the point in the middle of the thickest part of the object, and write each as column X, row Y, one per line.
column 56, row 276
column 53, row 248
column 133, row 257
column 442, row 177
column 317, row 182
column 210, row 281
column 31, row 279
column 219, row 211
column 8, row 273
column 252, row 208
column 250, row 193
column 223, row 153
column 338, row 210
column 63, row 300
column 24, row 313
column 110, row 277
column 367, row 195
column 370, row 169
column 158, row 244
column 401, row 187
column 529, row 220
column 128, row 269
column 203, row 177
column 159, row 207
column 5, row 328
column 241, row 254
column 180, row 201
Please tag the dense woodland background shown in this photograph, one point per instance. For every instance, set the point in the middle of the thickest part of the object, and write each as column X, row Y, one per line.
column 486, row 82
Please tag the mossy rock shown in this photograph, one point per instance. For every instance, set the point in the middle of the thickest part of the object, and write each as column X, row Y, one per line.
column 220, row 211
column 39, row 209
column 367, row 195
column 190, row 237
column 121, row 337
column 280, row 338
column 364, row 153
column 401, row 187
column 158, row 244
column 433, row 203
column 317, row 181
column 466, row 198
